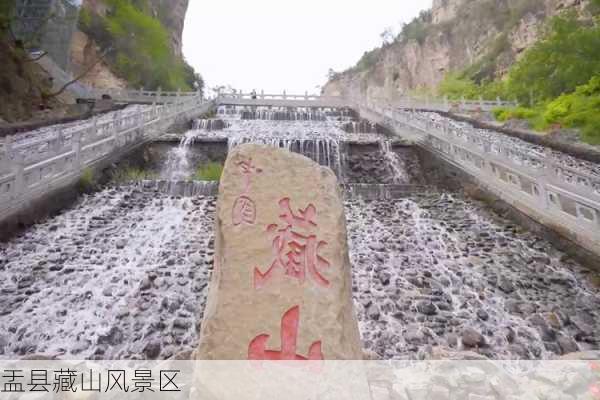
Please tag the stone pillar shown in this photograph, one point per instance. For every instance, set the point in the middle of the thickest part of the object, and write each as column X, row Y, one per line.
column 263, row 303
column 76, row 142
column 19, row 171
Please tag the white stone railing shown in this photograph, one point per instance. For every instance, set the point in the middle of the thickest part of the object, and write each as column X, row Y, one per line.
column 31, row 168
column 551, row 193
column 143, row 96
column 446, row 105
column 281, row 100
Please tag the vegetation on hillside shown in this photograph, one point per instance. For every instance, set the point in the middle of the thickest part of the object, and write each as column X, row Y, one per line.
column 138, row 46
column 557, row 81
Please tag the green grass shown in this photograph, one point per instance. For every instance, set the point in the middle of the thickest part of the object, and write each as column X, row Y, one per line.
column 133, row 174
column 209, row 172
column 87, row 181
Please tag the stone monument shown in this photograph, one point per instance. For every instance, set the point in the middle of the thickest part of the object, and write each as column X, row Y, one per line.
column 281, row 287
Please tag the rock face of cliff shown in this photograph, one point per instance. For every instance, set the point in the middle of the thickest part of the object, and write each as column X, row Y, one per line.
column 485, row 36
column 84, row 50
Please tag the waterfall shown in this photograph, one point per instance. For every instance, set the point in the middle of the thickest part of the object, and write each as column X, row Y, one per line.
column 362, row 126
column 278, row 115
column 209, row 124
column 396, row 163
column 324, row 151
column 177, row 167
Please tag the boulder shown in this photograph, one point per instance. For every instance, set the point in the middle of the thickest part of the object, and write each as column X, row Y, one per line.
column 281, row 286
column 472, row 338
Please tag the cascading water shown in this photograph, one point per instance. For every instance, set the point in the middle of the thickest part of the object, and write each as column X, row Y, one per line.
column 124, row 273
column 178, row 167
column 396, row 163
column 318, row 135
column 435, row 270
column 274, row 115
column 324, row 151
column 362, row 126
column 209, row 124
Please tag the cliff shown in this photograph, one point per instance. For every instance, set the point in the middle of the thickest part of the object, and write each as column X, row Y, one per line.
column 142, row 41
column 482, row 38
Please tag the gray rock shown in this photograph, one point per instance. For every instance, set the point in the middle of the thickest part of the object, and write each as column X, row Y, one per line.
column 414, row 335
column 152, row 350
column 567, row 345
column 181, row 323
column 145, row 285
column 113, row 337
column 373, row 312
column 427, row 308
column 54, row 257
column 482, row 314
column 506, row 285
column 29, row 247
column 377, row 246
column 472, row 338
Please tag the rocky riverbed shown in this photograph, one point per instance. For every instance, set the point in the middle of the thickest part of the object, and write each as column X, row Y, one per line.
column 437, row 270
column 123, row 275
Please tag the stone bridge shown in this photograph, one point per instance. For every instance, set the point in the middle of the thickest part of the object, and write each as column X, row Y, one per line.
column 33, row 167
column 559, row 196
column 563, row 198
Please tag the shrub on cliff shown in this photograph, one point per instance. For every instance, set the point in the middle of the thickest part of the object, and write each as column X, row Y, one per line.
column 456, row 86
column 140, row 44
column 580, row 109
column 567, row 56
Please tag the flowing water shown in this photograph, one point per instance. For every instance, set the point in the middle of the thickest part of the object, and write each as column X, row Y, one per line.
column 178, row 166
column 121, row 275
column 124, row 273
column 438, row 270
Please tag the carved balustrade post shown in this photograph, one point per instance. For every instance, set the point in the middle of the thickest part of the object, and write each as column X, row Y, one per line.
column 76, row 143
column 18, row 161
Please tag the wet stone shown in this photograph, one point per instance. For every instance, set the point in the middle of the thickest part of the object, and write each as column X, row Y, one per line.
column 471, row 338
column 81, row 282
column 427, row 308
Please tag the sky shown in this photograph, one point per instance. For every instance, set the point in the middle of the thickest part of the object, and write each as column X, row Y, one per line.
column 276, row 45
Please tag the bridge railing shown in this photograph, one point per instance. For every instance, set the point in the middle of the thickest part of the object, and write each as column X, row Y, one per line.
column 143, row 96
column 561, row 195
column 445, row 104
column 31, row 168
column 283, row 99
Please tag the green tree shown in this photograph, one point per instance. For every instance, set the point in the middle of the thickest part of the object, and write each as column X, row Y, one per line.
column 142, row 50
column 567, row 56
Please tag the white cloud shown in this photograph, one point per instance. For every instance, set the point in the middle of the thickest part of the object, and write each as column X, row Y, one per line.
column 283, row 44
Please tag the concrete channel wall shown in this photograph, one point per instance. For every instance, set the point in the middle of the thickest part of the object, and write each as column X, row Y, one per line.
column 564, row 199
column 32, row 170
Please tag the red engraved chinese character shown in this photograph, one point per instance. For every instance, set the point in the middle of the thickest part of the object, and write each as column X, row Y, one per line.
column 247, row 169
column 289, row 333
column 244, row 208
column 244, row 211
column 294, row 252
